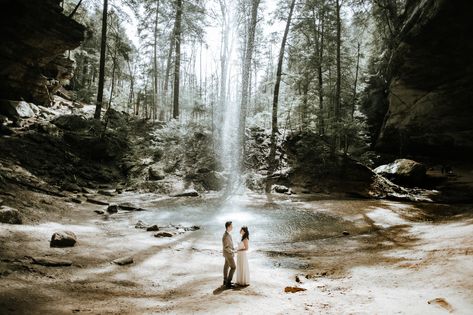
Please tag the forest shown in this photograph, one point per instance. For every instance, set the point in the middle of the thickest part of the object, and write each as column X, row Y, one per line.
column 334, row 135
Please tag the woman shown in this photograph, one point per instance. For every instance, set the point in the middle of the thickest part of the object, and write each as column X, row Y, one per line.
column 243, row 272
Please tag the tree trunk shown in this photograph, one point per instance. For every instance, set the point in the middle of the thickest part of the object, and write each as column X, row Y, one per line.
column 103, row 46
column 177, row 63
column 305, row 101
column 155, row 63
column 320, row 51
column 272, row 163
column 357, row 70
column 246, row 74
column 168, row 67
column 223, row 61
column 338, row 101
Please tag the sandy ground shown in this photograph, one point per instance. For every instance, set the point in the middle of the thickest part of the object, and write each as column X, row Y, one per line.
column 397, row 258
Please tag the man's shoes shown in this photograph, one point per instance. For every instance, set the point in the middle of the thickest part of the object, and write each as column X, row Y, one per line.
column 230, row 286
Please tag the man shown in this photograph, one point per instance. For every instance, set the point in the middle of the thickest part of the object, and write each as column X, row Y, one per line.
column 228, row 253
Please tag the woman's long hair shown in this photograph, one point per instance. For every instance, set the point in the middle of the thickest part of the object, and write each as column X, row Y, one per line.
column 246, row 234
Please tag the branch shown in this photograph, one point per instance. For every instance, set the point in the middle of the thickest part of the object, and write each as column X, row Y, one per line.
column 75, row 9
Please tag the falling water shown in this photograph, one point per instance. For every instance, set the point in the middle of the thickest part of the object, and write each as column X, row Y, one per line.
column 230, row 145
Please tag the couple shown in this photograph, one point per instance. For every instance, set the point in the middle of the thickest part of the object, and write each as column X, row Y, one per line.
column 243, row 273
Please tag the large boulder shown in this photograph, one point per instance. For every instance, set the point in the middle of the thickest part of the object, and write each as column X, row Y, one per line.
column 73, row 122
column 63, row 239
column 403, row 171
column 16, row 109
column 9, row 215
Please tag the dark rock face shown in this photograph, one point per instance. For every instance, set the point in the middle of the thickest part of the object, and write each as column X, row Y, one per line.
column 431, row 90
column 403, row 172
column 35, row 34
column 63, row 239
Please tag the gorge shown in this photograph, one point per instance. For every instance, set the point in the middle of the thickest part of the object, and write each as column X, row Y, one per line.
column 370, row 204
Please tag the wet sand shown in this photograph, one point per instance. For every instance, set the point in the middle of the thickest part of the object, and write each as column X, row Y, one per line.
column 396, row 258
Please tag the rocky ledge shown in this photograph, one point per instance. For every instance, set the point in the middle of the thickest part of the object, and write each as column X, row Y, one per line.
column 31, row 55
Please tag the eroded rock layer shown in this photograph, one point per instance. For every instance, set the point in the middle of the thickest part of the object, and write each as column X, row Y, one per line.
column 35, row 34
column 431, row 92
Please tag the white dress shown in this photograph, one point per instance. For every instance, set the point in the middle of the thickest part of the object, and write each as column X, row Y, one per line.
column 243, row 271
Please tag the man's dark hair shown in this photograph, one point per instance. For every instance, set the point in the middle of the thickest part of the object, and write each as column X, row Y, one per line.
column 227, row 224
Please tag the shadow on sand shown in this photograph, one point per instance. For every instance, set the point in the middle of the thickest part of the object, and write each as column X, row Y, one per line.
column 222, row 288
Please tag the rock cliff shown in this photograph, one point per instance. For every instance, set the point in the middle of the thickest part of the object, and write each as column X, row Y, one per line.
column 35, row 35
column 431, row 91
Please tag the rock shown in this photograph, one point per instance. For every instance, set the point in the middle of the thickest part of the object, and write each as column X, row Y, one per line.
column 280, row 189
column 152, row 228
column 299, row 278
column 77, row 200
column 86, row 190
column 129, row 207
column 109, row 193
column 158, row 154
column 72, row 187
column 346, row 233
column 31, row 54
column 112, row 208
column 123, row 261
column 72, row 122
column 403, row 171
column 293, row 289
column 10, row 215
column 51, row 262
column 163, row 234
column 140, row 225
column 16, row 109
column 99, row 211
column 97, row 202
column 211, row 180
column 156, row 173
column 192, row 228
column 187, row 193
column 63, row 239
column 429, row 92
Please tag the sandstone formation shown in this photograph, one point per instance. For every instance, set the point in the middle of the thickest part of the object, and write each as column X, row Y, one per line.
column 35, row 35
column 431, row 90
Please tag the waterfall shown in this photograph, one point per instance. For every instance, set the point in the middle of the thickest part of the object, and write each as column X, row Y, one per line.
column 230, row 105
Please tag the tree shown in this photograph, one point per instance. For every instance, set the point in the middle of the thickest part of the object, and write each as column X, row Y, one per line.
column 177, row 61
column 155, row 63
column 274, row 121
column 103, row 45
column 338, row 100
column 248, row 53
